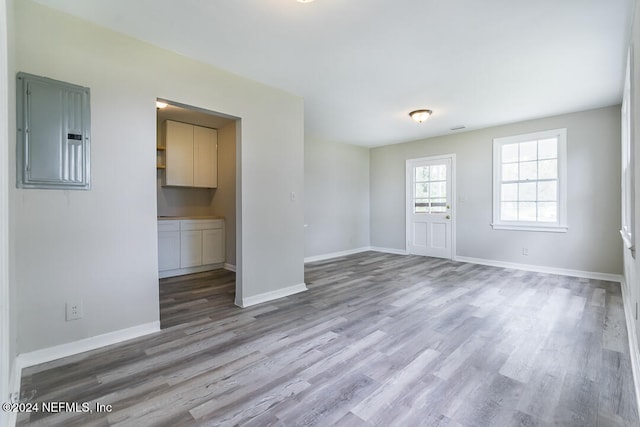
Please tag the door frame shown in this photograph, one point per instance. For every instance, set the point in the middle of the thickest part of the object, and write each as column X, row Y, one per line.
column 408, row 208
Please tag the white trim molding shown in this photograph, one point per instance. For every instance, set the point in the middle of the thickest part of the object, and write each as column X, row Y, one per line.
column 190, row 270
column 272, row 295
column 494, row 263
column 332, row 255
column 561, row 229
column 229, row 267
column 389, row 250
column 543, row 269
column 87, row 344
column 560, row 223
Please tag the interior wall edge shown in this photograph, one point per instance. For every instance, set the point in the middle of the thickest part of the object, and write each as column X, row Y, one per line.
column 7, row 340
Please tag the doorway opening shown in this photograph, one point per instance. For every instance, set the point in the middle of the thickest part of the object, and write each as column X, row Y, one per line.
column 198, row 165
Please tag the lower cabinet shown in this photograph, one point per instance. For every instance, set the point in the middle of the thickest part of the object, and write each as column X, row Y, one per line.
column 213, row 246
column 190, row 248
column 168, row 250
column 168, row 245
column 190, row 245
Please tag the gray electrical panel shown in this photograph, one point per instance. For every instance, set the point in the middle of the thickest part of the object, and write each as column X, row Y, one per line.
column 53, row 123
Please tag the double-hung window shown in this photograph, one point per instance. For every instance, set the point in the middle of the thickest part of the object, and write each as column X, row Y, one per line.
column 628, row 152
column 530, row 181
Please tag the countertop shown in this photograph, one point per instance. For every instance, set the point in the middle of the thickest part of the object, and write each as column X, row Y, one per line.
column 162, row 218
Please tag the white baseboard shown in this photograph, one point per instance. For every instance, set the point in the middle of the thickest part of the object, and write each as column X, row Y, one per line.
column 230, row 267
column 336, row 254
column 189, row 270
column 543, row 269
column 389, row 250
column 504, row 264
column 69, row 349
column 634, row 349
column 270, row 296
column 332, row 255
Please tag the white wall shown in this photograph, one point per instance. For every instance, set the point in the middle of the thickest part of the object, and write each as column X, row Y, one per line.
column 336, row 197
column 100, row 245
column 592, row 243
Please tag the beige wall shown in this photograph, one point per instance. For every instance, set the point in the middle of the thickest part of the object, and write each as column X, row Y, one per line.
column 592, row 243
column 100, row 246
column 336, row 197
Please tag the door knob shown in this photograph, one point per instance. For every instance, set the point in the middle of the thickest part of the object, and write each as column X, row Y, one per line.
column 448, row 216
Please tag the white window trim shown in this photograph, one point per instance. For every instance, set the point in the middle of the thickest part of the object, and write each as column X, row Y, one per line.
column 628, row 152
column 561, row 225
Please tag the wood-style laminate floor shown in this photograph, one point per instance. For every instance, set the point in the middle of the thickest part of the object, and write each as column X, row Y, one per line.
column 377, row 340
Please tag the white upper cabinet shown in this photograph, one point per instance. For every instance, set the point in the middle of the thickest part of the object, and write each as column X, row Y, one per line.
column 205, row 151
column 191, row 155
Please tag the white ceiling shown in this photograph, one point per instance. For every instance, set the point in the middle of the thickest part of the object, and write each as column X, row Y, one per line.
column 362, row 65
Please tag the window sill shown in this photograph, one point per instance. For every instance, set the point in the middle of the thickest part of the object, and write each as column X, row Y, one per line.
column 628, row 242
column 541, row 228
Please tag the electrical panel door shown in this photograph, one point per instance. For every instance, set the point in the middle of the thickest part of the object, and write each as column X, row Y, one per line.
column 53, row 134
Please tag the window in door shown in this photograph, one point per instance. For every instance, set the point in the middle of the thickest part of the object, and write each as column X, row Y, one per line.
column 430, row 189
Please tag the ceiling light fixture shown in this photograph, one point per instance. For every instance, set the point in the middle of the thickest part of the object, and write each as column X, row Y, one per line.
column 305, row 1
column 160, row 104
column 420, row 115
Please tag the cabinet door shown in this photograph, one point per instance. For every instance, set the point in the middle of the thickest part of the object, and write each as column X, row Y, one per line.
column 190, row 248
column 179, row 153
column 205, row 160
column 213, row 246
column 168, row 250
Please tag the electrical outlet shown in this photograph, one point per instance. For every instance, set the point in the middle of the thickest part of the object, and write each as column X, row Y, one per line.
column 74, row 310
column 525, row 251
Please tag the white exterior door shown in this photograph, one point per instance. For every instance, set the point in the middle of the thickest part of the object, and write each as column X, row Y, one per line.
column 430, row 221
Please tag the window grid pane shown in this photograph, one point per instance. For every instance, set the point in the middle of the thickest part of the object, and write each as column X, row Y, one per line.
column 529, row 181
column 430, row 189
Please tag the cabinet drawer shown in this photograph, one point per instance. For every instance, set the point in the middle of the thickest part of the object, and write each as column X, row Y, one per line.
column 200, row 224
column 168, row 225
